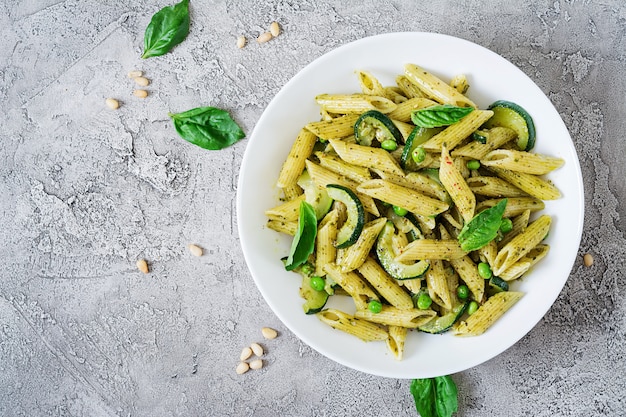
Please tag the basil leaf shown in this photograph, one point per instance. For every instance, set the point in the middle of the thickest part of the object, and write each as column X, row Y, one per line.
column 446, row 401
column 423, row 391
column 167, row 28
column 483, row 228
column 303, row 242
column 441, row 115
column 208, row 127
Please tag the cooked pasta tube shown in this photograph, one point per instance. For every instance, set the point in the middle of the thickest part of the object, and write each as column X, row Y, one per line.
column 445, row 249
column 338, row 165
column 353, row 284
column 280, row 226
column 433, row 87
column 521, row 244
column 488, row 313
column 394, row 316
column 531, row 184
column 337, row 128
column 404, row 109
column 455, row 185
column 395, row 341
column 294, row 164
column 454, row 134
column 386, row 286
column 522, row 266
column 494, row 138
column 437, row 284
column 354, row 103
column 397, row 195
column 325, row 250
column 494, row 187
column 366, row 156
column 526, row 162
column 354, row 255
column 362, row 329
column 515, row 205
column 289, row 211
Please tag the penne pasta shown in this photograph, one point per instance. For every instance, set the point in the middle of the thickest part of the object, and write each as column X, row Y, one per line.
column 354, row 103
column 453, row 135
column 488, row 313
column 353, row 256
column 393, row 316
column 386, row 286
column 326, row 252
column 531, row 184
column 366, row 156
column 294, row 164
column 457, row 188
column 521, row 244
column 435, row 88
column 353, row 284
column 445, row 249
column 529, row 163
column 337, row 128
column 363, row 329
column 395, row 341
column 402, row 197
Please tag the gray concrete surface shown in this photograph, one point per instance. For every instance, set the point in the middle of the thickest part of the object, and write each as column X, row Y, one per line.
column 85, row 191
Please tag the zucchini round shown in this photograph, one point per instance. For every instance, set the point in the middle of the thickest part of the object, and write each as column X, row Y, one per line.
column 317, row 197
column 418, row 136
column 348, row 234
column 445, row 322
column 314, row 301
column 513, row 116
column 375, row 125
column 386, row 255
column 497, row 284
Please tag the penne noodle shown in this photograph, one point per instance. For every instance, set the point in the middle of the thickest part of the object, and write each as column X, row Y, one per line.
column 354, row 103
column 455, row 185
column 435, row 88
column 531, row 184
column 294, row 164
column 521, row 244
column 454, row 134
column 362, row 329
column 393, row 316
column 337, row 128
column 488, row 313
column 386, row 286
column 366, row 156
column 445, row 249
column 406, row 198
column 529, row 163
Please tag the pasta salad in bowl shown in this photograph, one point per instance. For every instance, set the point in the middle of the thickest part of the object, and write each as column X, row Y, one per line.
column 425, row 200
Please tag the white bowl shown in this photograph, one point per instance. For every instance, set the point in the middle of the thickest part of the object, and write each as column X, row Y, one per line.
column 491, row 78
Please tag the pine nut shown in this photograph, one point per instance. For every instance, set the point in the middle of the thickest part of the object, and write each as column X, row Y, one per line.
column 256, row 364
column 264, row 37
column 257, row 349
column 112, row 103
column 269, row 333
column 195, row 250
column 245, row 353
column 135, row 74
column 242, row 368
column 142, row 265
column 588, row 259
column 274, row 29
column 142, row 81
column 241, row 41
column 140, row 93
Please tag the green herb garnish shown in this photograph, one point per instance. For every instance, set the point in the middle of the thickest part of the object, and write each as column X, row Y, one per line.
column 208, row 127
column 167, row 28
column 303, row 242
column 440, row 115
column 483, row 228
column 435, row 397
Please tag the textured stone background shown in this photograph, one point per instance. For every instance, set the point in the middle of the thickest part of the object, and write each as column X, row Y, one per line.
column 86, row 191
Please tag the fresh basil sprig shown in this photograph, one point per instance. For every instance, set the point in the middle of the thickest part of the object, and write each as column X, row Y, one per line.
column 167, row 28
column 483, row 228
column 303, row 242
column 208, row 127
column 440, row 115
column 435, row 397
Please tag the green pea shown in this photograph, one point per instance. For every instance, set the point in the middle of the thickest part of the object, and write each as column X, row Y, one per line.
column 389, row 145
column 462, row 292
column 473, row 164
column 506, row 225
column 472, row 307
column 484, row 270
column 375, row 306
column 419, row 154
column 318, row 283
column 424, row 301
column 400, row 211
column 306, row 269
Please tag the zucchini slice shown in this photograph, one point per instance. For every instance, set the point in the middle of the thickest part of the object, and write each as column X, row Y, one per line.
column 348, row 234
column 513, row 116
column 314, row 301
column 418, row 136
column 397, row 270
column 375, row 125
column 317, row 197
column 497, row 285
column 445, row 322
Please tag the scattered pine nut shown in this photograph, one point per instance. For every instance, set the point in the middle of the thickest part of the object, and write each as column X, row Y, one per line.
column 245, row 353
column 264, row 37
column 195, row 250
column 257, row 349
column 241, row 41
column 274, row 29
column 588, row 259
column 140, row 93
column 142, row 81
column 256, row 364
column 269, row 333
column 142, row 265
column 112, row 103
column 135, row 74
column 242, row 368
